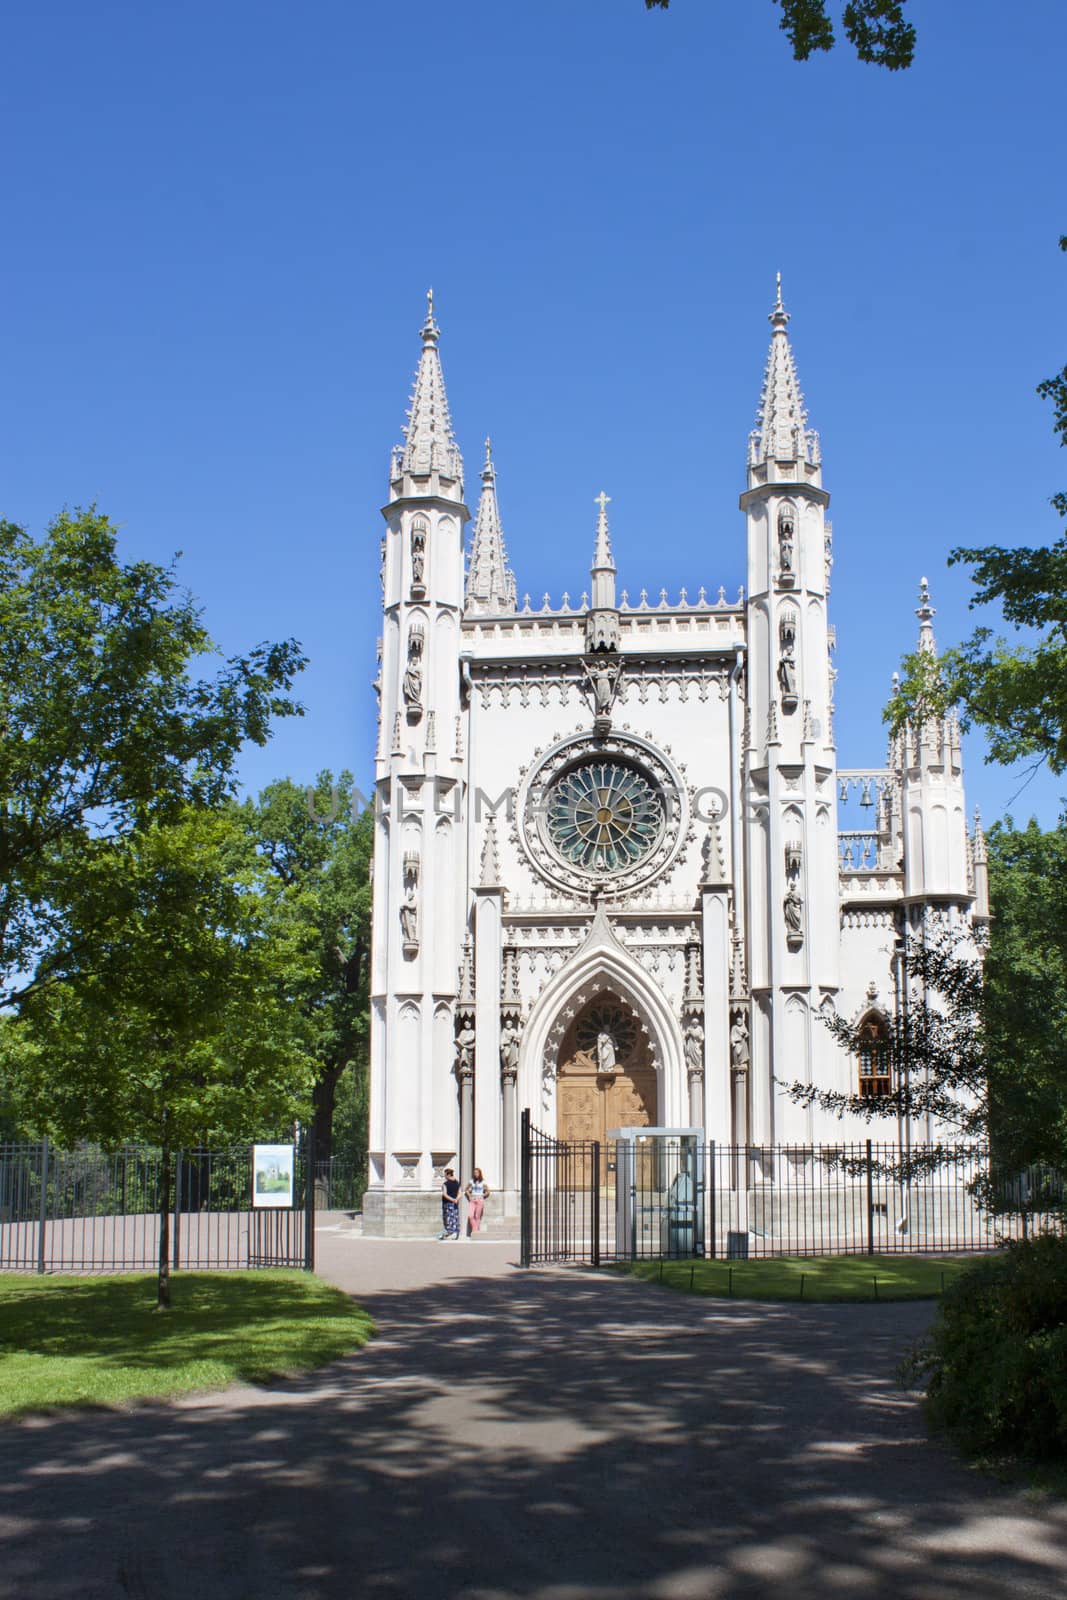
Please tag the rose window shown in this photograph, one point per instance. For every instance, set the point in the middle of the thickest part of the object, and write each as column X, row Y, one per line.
column 604, row 816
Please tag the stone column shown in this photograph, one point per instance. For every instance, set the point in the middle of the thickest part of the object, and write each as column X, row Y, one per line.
column 465, row 1074
column 509, row 1088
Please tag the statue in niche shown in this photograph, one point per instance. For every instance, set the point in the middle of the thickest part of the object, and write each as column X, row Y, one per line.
column 605, row 1051
column 785, row 538
column 509, row 1050
column 418, row 556
column 739, row 1054
column 793, row 906
column 465, row 1040
column 413, row 673
column 409, row 918
column 787, row 667
column 694, row 1046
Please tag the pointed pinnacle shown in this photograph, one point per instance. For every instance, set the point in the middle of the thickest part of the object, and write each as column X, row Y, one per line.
column 603, row 556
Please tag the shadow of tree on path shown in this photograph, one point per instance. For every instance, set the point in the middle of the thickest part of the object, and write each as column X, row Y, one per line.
column 537, row 1436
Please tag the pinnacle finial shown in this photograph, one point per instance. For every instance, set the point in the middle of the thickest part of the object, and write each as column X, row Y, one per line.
column 429, row 329
column 925, row 613
column 779, row 317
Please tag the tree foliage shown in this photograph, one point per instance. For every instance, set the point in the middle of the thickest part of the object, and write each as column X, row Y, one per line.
column 877, row 29
column 317, row 853
column 178, row 1022
column 106, row 720
column 936, row 1056
column 1026, row 993
column 1016, row 692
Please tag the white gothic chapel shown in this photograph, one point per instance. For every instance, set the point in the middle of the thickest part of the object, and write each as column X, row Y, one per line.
column 609, row 879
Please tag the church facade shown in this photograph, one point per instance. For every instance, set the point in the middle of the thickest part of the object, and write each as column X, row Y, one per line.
column 610, row 881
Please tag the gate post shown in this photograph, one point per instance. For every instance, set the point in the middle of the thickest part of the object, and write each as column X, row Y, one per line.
column 309, row 1198
column 42, row 1221
column 525, row 1209
column 870, row 1202
column 176, row 1254
column 594, row 1205
column 712, row 1246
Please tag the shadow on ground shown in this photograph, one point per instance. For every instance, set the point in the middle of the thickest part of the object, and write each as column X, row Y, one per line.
column 538, row 1436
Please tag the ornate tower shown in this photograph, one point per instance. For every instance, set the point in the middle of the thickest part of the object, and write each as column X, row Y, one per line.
column 929, row 764
column 790, row 812
column 419, row 852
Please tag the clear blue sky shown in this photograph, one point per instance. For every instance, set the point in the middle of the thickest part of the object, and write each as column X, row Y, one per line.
column 220, row 221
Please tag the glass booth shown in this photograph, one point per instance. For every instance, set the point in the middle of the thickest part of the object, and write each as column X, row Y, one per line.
column 659, row 1191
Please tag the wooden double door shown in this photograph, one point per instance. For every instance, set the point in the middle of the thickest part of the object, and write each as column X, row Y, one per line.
column 590, row 1100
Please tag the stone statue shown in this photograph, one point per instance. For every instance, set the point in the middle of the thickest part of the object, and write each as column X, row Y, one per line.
column 605, row 1051
column 465, row 1039
column 694, row 1047
column 793, row 907
column 409, row 918
column 785, row 538
column 413, row 672
column 509, row 1050
column 418, row 555
column 787, row 676
column 739, row 1056
column 602, row 677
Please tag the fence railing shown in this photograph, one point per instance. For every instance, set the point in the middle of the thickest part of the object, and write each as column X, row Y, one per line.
column 584, row 1200
column 93, row 1210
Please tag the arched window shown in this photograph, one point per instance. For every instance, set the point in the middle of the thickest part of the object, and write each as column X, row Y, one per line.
column 875, row 1043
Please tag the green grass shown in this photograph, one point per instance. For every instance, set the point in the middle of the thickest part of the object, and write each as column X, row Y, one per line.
column 100, row 1341
column 808, row 1277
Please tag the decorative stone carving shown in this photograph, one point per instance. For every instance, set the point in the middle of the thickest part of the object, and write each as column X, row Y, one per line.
column 409, row 910
column 787, row 667
column 510, row 1039
column 740, row 1058
column 793, row 909
column 605, row 1053
column 603, row 675
column 465, row 1041
column 793, row 856
column 786, row 544
column 412, row 686
column 418, row 562
column 694, row 1048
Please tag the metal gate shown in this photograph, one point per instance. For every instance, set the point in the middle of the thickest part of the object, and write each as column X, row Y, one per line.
column 656, row 1194
column 91, row 1210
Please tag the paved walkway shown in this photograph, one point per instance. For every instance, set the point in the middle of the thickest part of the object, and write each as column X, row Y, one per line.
column 529, row 1436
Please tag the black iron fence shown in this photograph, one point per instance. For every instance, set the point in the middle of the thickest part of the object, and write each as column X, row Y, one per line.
column 670, row 1196
column 89, row 1210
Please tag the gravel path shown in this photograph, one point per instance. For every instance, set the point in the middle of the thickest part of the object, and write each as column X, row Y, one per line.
column 549, row 1435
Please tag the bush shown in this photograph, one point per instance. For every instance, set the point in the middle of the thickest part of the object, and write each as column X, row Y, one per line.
column 996, row 1361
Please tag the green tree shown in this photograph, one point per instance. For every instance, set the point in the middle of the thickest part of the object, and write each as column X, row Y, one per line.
column 106, row 719
column 178, row 1021
column 318, row 853
column 936, row 1061
column 876, row 29
column 1026, row 994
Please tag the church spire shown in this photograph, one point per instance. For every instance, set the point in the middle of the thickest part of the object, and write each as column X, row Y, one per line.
column 429, row 444
column 781, row 432
column 603, row 568
column 490, row 581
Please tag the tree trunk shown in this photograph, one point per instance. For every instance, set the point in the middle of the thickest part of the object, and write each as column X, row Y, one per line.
column 324, row 1098
column 163, row 1288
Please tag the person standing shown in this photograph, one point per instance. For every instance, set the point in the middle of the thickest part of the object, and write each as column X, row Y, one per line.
column 450, row 1205
column 477, row 1195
